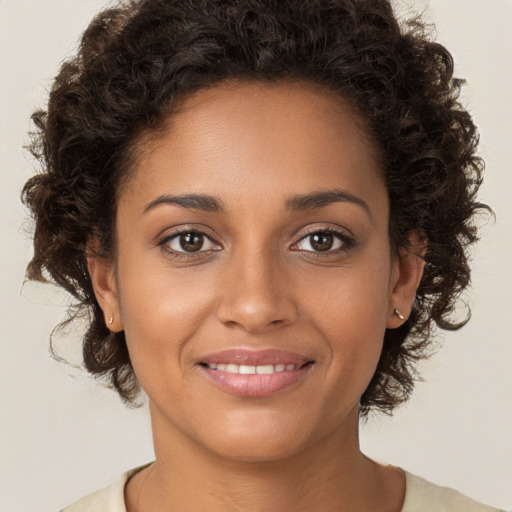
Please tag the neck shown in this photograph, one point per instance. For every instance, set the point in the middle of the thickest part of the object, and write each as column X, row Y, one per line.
column 332, row 474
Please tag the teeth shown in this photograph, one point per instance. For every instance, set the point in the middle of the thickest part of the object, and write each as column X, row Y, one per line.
column 243, row 369
column 264, row 370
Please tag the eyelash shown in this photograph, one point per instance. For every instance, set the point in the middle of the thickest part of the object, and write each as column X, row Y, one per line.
column 346, row 240
column 184, row 255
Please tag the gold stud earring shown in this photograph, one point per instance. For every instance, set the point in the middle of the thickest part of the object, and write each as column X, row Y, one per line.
column 398, row 313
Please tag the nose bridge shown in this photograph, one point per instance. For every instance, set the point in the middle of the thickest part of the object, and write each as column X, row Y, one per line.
column 254, row 295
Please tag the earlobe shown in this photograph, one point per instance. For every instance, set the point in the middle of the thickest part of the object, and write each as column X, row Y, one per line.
column 408, row 272
column 103, row 280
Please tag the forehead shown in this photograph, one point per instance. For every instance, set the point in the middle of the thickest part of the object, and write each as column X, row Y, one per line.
column 261, row 139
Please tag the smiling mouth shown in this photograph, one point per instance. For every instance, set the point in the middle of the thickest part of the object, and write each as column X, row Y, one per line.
column 266, row 369
column 263, row 378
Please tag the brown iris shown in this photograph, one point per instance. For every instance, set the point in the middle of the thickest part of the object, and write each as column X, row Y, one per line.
column 322, row 241
column 191, row 242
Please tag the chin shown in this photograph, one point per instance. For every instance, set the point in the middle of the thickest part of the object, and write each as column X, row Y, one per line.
column 259, row 437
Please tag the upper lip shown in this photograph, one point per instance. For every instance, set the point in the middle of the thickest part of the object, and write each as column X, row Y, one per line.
column 242, row 356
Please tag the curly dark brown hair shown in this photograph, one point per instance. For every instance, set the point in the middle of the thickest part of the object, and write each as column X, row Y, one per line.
column 136, row 60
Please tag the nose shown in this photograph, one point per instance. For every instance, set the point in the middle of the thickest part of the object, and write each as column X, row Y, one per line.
column 256, row 293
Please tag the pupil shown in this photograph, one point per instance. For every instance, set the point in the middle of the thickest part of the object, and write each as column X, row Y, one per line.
column 191, row 242
column 322, row 242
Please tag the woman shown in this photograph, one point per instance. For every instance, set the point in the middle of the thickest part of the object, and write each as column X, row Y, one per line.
column 264, row 209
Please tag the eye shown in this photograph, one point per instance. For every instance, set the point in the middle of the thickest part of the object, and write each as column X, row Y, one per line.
column 323, row 241
column 190, row 241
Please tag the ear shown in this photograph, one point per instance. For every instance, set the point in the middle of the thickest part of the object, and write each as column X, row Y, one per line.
column 103, row 279
column 406, row 275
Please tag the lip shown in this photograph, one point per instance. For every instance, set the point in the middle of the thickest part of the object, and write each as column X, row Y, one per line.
column 254, row 357
column 254, row 385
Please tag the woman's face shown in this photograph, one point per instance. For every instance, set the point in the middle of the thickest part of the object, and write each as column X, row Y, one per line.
column 254, row 277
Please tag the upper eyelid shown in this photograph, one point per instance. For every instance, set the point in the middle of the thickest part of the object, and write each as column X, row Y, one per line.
column 328, row 229
column 169, row 233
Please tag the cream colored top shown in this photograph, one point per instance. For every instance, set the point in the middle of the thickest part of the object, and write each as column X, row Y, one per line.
column 420, row 496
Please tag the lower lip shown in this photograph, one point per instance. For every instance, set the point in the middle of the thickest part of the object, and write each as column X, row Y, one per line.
column 255, row 385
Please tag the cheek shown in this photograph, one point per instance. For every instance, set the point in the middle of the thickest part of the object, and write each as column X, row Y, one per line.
column 353, row 298
column 161, row 311
column 350, row 312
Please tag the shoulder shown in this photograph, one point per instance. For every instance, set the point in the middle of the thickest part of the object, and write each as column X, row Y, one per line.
column 109, row 499
column 422, row 495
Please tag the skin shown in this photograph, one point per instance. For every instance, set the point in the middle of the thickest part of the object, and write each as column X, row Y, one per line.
column 258, row 284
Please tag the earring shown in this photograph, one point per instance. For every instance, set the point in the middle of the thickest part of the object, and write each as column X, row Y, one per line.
column 398, row 313
column 111, row 320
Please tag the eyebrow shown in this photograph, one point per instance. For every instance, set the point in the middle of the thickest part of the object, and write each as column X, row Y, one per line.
column 324, row 198
column 194, row 201
column 297, row 203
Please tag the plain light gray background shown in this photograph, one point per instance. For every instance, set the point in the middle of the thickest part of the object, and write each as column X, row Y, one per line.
column 62, row 435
